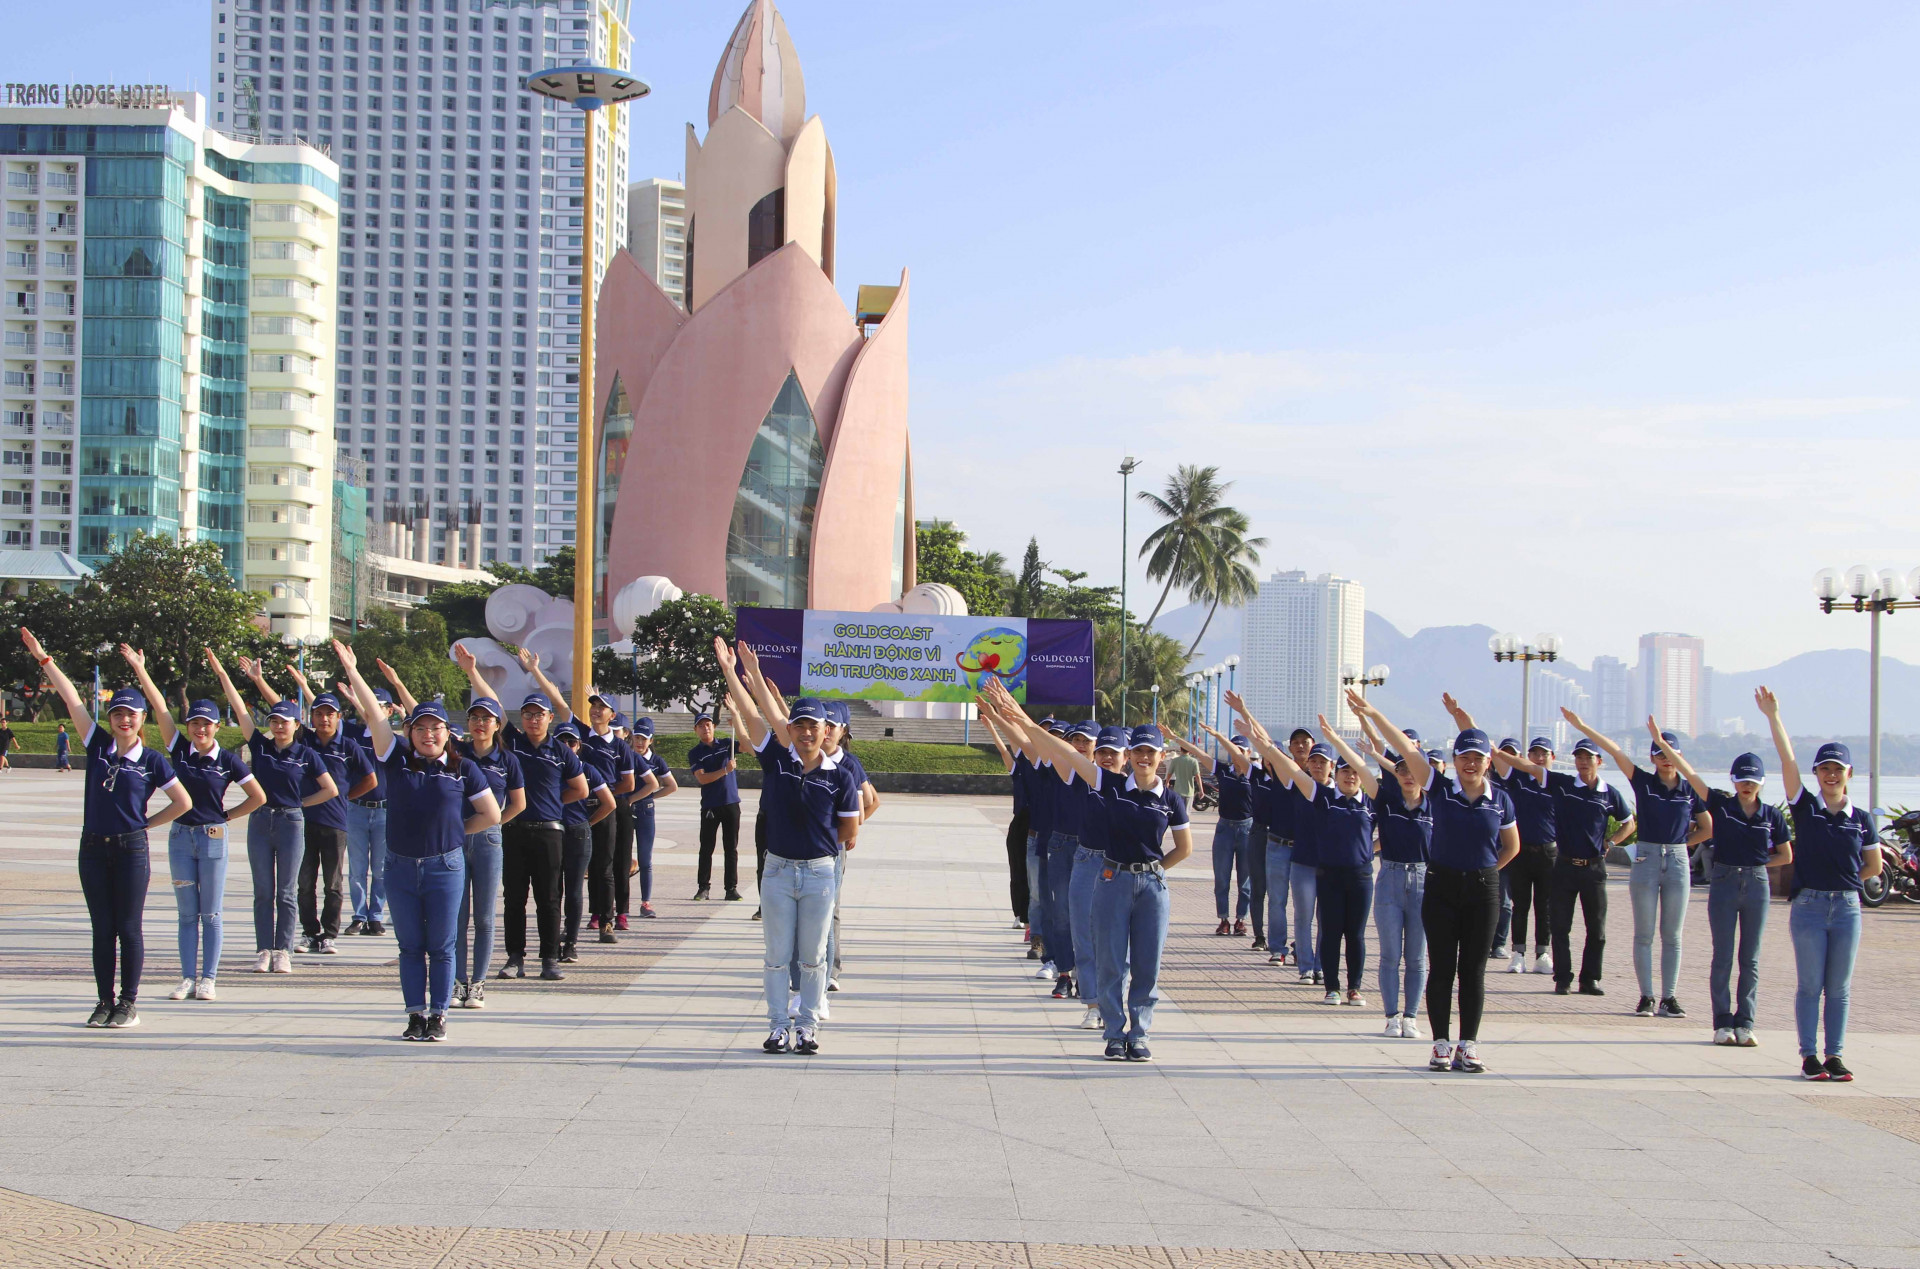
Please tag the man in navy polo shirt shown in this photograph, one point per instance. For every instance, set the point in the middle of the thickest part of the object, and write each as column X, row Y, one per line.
column 1232, row 882
column 640, row 740
column 1529, row 877
column 713, row 762
column 609, row 757
column 367, row 827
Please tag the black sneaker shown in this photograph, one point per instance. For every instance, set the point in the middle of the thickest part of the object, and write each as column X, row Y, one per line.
column 1837, row 1070
column 1592, row 989
column 125, row 1015
column 1316, row 977
column 550, row 971
column 416, row 1027
column 327, row 948
column 1116, row 1050
column 1670, row 1008
column 374, row 927
column 805, row 1041
column 777, row 1042
column 1063, row 987
column 733, row 896
column 567, row 953
column 607, row 934
column 101, row 1012
column 436, row 1026
column 1033, row 952
column 1645, row 1008
column 357, row 926
column 702, row 893
column 1137, row 1051
column 308, row 947
column 512, row 969
column 1258, row 945
column 1812, row 1069
column 756, row 914
column 1563, row 989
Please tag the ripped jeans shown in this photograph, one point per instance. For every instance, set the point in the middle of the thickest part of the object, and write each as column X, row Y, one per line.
column 197, row 858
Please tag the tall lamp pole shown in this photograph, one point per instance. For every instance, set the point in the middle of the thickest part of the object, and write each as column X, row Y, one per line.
column 1156, row 704
column 1509, row 647
column 1873, row 594
column 1127, row 466
column 1193, row 708
column 586, row 89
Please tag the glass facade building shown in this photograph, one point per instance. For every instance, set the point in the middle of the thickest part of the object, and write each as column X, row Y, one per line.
column 770, row 542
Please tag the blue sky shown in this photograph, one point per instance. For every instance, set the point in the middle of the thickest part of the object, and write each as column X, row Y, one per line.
column 1590, row 318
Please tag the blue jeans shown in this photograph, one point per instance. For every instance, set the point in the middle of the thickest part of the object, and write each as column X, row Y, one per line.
column 1279, row 890
column 198, row 862
column 276, row 839
column 1087, row 863
column 796, row 907
column 425, row 893
column 1229, row 857
column 476, row 905
column 643, row 828
column 367, row 861
column 1059, row 880
column 1402, row 888
column 114, row 872
column 833, row 928
column 1736, row 897
column 1130, row 912
column 1826, row 937
column 1305, row 884
column 1036, row 891
column 1658, row 887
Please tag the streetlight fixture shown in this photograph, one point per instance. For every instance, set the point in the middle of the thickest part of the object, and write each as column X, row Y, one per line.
column 1510, row 647
column 1155, row 689
column 1218, row 673
column 1871, row 593
column 586, row 89
column 1232, row 663
column 1351, row 676
column 1127, row 466
column 1193, row 708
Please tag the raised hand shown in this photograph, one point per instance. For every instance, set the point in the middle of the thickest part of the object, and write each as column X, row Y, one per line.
column 1572, row 717
column 528, row 661
column 349, row 660
column 135, row 658
column 1326, row 728
column 723, row 653
column 34, row 649
column 461, row 657
column 388, row 671
column 749, row 658
column 1358, row 704
column 249, row 667
column 1764, row 698
column 1653, row 729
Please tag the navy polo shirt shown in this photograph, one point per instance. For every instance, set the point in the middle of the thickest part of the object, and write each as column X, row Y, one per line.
column 1043, row 787
column 356, row 731
column 712, row 758
column 1306, row 835
column 1019, row 777
column 205, row 778
column 1406, row 833
column 1466, row 834
column 1138, row 820
column 1827, row 845
column 119, row 785
column 429, row 801
column 643, row 763
column 1343, row 828
column 804, row 808
column 1532, row 808
column 607, row 756
column 500, row 767
column 545, row 769
column 1069, row 802
column 1236, row 792
column 855, row 768
column 1740, row 841
column 1665, row 816
column 1581, row 812
column 348, row 764
column 1095, row 813
column 1281, row 804
column 581, row 811
column 286, row 775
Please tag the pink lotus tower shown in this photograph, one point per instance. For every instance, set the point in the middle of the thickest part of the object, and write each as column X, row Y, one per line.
column 756, row 441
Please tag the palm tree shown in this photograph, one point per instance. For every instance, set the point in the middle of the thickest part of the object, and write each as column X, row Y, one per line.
column 1228, row 577
column 1179, row 550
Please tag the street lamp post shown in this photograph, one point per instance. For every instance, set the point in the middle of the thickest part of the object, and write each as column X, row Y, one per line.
column 1509, row 647
column 1375, row 676
column 1156, row 704
column 1871, row 593
column 586, row 89
column 1193, row 708
column 1127, row 466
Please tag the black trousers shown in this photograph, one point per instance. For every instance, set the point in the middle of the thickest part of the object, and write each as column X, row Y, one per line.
column 759, row 846
column 622, row 857
column 576, row 855
column 1345, row 897
column 1530, row 881
column 1588, row 886
column 326, row 849
column 1257, row 874
column 1459, row 911
column 722, row 822
column 114, row 872
column 1016, row 862
column 600, row 867
column 530, row 861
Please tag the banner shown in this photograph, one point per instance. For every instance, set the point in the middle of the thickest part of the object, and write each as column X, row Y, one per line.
column 919, row 656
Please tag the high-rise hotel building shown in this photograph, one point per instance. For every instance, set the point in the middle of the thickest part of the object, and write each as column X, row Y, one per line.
column 168, row 325
column 461, row 214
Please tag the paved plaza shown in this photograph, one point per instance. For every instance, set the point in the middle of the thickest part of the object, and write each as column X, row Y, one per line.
column 957, row 1116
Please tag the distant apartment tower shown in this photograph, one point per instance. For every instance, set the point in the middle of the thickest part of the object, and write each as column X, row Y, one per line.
column 176, row 285
column 1298, row 632
column 1673, row 680
column 1552, row 692
column 657, row 233
column 462, row 204
column 1612, row 696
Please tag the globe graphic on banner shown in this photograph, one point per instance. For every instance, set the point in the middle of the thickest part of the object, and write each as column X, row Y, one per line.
column 997, row 653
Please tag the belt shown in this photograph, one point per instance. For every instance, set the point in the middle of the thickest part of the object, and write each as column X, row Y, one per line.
column 1120, row 867
column 1538, row 845
column 1665, row 845
column 284, row 810
column 538, row 823
column 1400, row 863
column 119, row 837
column 1582, row 862
column 381, row 805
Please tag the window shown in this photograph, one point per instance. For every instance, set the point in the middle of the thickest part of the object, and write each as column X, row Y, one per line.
column 769, row 542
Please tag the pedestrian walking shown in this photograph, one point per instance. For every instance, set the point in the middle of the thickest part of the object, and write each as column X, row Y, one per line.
column 642, row 805
column 197, row 842
column 1835, row 850
column 7, row 740
column 62, row 749
column 438, row 799
column 123, row 775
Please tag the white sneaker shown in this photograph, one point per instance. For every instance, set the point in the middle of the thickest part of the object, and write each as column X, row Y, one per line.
column 1091, row 1021
column 1019, row 925
column 282, row 962
column 826, row 1010
column 263, row 963
column 1542, row 962
column 203, row 990
column 1743, row 1036
column 1442, row 1059
column 181, row 992
column 1046, row 970
column 1409, row 1026
column 1723, row 1035
column 1518, row 965
column 793, row 1004
column 1331, row 998
column 1393, row 1027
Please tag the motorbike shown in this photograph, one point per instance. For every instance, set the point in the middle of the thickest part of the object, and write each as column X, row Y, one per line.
column 1899, row 863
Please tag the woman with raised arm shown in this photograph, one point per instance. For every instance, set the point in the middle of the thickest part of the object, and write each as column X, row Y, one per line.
column 1343, row 826
column 1835, row 849
column 1232, row 880
column 644, row 801
column 578, row 823
column 813, row 813
column 122, row 776
column 1110, row 755
column 1405, row 820
column 197, row 841
column 1749, row 837
column 1016, row 826
column 294, row 778
column 436, row 800
column 1672, row 819
column 1474, row 837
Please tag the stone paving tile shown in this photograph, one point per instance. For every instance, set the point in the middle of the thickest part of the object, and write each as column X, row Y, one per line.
column 670, row 1251
column 1897, row 1115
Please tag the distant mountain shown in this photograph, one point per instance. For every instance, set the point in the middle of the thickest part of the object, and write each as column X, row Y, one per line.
column 1223, row 636
column 1825, row 694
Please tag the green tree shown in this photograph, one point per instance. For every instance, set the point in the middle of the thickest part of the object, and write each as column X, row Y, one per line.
column 415, row 644
column 1228, row 577
column 674, row 647
column 940, row 555
column 1181, row 550
column 1152, row 659
column 1028, row 592
column 463, row 605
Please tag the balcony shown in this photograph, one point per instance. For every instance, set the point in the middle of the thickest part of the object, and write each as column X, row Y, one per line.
column 23, row 222
column 21, row 304
column 57, row 303
column 20, row 379
column 22, row 184
column 20, row 343
column 23, row 262
column 54, row 341
column 63, row 183
column 63, row 223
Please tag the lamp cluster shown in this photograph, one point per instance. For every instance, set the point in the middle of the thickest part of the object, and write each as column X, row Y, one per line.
column 1510, row 647
column 1863, row 589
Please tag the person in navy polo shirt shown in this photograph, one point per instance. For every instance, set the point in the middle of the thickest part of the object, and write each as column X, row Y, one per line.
column 576, row 850
column 485, row 747
column 1835, row 850
column 367, row 818
column 1749, row 837
column 714, row 761
column 835, row 742
column 1530, row 876
column 294, row 778
column 1672, row 819
column 813, row 813
column 1016, row 826
column 1474, row 836
column 1066, row 803
column 1110, row 755
column 606, row 755
column 1280, row 880
column 122, row 776
column 197, row 841
column 1404, row 819
column 436, row 801
column 1232, row 881
column 644, row 828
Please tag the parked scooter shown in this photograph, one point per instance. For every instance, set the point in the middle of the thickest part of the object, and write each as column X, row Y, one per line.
column 1899, row 863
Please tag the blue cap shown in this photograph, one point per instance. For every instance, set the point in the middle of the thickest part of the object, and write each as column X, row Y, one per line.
column 643, row 727
column 1146, row 736
column 1321, row 749
column 1089, row 729
column 704, row 716
column 1339, row 761
column 1540, row 742
column 537, row 700
column 127, row 698
column 1672, row 740
column 282, row 708
column 1112, row 738
column 1748, row 766
column 327, row 700
column 203, row 708
column 1510, row 742
column 598, row 698
column 1239, row 740
column 839, row 715
column 1297, row 732
column 808, row 707
column 621, row 721
column 1586, row 745
column 428, row 709
column 1832, row 751
column 382, row 695
column 569, row 729
column 1410, row 734
column 1435, row 759
column 1472, row 740
column 486, row 705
